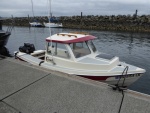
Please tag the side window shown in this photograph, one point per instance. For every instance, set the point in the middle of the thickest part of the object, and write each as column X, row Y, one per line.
column 92, row 45
column 58, row 50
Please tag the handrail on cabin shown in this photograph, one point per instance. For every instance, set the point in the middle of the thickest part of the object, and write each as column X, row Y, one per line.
column 83, row 33
column 69, row 35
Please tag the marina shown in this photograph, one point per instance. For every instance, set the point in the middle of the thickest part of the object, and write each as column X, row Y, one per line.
column 96, row 62
column 126, row 46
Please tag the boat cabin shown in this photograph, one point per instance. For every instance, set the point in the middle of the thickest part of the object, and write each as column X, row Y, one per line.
column 70, row 45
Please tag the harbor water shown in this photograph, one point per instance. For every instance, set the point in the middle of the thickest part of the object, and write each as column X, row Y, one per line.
column 132, row 48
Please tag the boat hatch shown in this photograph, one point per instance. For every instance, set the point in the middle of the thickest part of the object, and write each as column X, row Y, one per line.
column 105, row 56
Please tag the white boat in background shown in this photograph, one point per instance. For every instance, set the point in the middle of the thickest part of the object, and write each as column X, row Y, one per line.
column 35, row 24
column 53, row 22
column 53, row 25
column 75, row 54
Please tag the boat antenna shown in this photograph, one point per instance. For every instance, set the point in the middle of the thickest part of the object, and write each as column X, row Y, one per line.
column 34, row 27
column 49, row 16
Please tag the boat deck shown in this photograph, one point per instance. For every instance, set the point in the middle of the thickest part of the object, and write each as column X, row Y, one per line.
column 89, row 60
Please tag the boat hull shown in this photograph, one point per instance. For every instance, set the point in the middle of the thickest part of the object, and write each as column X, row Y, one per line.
column 107, row 77
column 120, row 80
column 36, row 25
column 53, row 25
column 4, row 38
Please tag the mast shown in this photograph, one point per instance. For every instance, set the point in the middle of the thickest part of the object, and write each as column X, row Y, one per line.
column 49, row 16
column 32, row 8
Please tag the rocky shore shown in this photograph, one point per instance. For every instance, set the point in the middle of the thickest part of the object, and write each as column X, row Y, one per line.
column 127, row 23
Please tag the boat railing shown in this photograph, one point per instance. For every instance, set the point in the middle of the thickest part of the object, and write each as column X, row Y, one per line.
column 125, row 71
column 9, row 29
column 122, row 87
column 69, row 35
column 83, row 33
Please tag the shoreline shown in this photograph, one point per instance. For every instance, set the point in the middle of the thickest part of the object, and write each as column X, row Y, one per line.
column 123, row 23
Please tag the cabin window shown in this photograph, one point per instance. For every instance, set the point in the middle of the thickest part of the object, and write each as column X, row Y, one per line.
column 80, row 49
column 58, row 50
column 92, row 45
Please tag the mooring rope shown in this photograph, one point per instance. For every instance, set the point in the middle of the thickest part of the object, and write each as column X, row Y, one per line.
column 121, row 101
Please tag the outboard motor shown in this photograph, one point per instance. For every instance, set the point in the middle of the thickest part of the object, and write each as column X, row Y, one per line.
column 27, row 48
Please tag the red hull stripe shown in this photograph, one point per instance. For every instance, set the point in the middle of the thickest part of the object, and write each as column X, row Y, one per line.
column 86, row 38
column 102, row 78
column 96, row 77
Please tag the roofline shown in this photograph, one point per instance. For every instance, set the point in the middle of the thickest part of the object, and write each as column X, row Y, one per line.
column 82, row 39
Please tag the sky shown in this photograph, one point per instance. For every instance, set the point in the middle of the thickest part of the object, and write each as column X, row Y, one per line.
column 23, row 8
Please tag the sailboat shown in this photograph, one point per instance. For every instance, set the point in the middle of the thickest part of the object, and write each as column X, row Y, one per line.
column 34, row 22
column 53, row 23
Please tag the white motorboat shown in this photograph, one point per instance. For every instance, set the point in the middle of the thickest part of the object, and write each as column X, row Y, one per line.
column 76, row 54
column 53, row 25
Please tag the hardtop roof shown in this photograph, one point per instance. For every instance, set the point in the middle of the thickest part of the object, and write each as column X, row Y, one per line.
column 67, row 38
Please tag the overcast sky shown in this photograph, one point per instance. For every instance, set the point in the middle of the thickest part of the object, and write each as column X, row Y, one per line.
column 19, row 8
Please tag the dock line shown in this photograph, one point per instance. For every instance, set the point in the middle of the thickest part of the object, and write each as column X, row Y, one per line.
column 119, row 88
column 41, row 63
column 121, row 101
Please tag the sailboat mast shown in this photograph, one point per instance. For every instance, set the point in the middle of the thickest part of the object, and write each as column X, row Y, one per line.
column 32, row 8
column 49, row 16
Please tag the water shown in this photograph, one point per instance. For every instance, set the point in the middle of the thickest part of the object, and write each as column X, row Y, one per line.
column 132, row 48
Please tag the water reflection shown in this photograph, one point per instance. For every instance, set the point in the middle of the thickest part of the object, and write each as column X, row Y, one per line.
column 130, row 47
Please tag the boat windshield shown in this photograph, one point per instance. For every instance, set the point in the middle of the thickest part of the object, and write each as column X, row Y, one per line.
column 92, row 45
column 80, row 49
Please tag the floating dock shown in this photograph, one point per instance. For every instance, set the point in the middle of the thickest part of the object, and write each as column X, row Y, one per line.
column 25, row 88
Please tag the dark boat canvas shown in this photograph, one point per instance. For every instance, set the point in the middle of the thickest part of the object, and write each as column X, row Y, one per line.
column 4, row 35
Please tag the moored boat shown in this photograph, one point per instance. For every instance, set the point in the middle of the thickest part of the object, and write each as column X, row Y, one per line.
column 35, row 23
column 4, row 35
column 75, row 54
column 53, row 25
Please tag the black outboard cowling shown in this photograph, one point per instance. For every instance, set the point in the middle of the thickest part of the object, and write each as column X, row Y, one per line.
column 27, row 48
